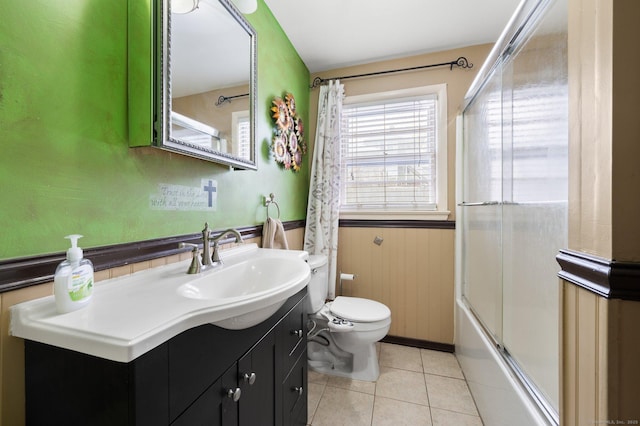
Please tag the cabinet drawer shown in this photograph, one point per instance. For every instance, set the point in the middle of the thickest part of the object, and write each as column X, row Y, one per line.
column 295, row 393
column 294, row 334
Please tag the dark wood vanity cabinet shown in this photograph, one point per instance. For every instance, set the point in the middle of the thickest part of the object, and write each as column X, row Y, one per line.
column 204, row 376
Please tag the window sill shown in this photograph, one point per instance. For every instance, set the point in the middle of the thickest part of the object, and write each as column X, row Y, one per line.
column 387, row 215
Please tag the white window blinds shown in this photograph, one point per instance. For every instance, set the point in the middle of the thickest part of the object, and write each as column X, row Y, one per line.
column 241, row 134
column 244, row 137
column 389, row 154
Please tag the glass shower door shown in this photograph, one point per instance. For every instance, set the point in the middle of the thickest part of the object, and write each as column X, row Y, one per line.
column 482, row 208
column 514, row 208
column 535, row 193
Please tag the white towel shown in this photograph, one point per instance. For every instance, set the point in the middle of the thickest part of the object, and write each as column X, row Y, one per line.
column 273, row 235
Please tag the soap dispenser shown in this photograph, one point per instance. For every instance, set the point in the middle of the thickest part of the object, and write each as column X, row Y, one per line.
column 73, row 280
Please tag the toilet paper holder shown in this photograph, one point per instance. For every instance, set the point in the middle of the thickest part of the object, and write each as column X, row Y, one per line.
column 345, row 277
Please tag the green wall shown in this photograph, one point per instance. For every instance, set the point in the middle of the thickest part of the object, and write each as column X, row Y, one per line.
column 66, row 166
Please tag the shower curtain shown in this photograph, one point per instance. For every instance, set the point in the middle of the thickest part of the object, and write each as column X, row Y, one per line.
column 321, row 231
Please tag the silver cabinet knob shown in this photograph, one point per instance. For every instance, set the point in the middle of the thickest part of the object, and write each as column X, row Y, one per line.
column 250, row 378
column 234, row 394
column 298, row 390
column 297, row 333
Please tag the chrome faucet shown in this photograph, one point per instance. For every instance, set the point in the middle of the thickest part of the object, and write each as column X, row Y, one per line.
column 215, row 258
column 209, row 259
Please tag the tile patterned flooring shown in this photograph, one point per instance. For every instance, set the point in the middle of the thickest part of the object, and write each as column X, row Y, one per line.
column 416, row 387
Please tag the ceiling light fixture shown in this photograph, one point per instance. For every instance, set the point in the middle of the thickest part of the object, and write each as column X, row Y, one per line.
column 246, row 6
column 184, row 6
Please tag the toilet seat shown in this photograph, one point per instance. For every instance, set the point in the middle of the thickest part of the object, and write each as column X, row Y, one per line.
column 351, row 325
column 360, row 310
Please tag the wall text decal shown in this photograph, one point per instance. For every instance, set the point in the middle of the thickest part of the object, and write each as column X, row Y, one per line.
column 185, row 198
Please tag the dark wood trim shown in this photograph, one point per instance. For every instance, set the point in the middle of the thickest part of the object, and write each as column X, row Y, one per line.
column 384, row 223
column 607, row 278
column 27, row 271
column 417, row 343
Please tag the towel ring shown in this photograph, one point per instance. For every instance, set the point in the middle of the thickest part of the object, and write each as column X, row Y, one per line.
column 271, row 200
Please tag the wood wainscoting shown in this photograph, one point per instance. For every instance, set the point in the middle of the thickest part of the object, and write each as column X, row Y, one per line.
column 411, row 271
column 600, row 339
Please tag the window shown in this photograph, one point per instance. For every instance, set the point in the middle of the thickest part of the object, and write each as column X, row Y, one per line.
column 394, row 154
column 241, row 134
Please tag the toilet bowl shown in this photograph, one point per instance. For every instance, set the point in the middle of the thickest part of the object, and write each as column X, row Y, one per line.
column 344, row 332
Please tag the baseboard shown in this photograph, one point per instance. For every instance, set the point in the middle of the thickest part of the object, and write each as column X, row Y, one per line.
column 417, row 343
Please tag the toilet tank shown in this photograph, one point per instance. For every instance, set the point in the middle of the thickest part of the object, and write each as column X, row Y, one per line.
column 319, row 284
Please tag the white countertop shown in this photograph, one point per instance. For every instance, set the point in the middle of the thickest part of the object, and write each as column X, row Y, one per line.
column 131, row 315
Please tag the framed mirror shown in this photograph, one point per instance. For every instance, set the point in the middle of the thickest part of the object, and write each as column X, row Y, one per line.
column 206, row 82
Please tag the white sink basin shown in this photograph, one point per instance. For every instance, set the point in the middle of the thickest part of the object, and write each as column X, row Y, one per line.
column 263, row 279
column 248, row 278
column 129, row 316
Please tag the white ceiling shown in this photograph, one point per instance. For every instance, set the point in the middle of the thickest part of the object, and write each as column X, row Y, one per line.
column 330, row 34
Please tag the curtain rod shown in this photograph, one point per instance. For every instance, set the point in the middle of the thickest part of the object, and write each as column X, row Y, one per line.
column 461, row 62
column 223, row 99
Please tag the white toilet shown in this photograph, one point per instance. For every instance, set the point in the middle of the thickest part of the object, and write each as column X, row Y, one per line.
column 344, row 332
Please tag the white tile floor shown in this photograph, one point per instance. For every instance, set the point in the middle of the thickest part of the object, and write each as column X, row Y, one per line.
column 416, row 387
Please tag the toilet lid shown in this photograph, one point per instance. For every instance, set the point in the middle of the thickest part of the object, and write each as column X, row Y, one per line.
column 359, row 310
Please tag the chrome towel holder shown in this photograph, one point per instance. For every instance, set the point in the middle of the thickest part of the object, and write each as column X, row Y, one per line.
column 271, row 199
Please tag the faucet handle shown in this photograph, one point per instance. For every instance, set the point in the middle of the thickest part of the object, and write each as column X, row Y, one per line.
column 215, row 257
column 196, row 264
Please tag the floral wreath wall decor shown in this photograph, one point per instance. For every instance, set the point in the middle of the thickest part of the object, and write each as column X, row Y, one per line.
column 288, row 144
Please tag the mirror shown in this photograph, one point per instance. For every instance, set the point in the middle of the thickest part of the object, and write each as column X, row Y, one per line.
column 206, row 83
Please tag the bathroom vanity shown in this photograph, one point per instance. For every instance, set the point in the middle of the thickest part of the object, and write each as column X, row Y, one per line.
column 205, row 375
column 162, row 347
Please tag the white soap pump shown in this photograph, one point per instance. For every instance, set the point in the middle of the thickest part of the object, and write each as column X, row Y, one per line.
column 73, row 280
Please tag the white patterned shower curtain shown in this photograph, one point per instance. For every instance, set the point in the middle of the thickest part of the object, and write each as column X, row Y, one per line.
column 321, row 232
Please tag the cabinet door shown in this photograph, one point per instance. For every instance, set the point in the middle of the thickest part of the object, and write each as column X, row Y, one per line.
column 256, row 379
column 198, row 357
column 216, row 406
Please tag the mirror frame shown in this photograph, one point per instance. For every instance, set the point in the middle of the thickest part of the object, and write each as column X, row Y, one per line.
column 162, row 85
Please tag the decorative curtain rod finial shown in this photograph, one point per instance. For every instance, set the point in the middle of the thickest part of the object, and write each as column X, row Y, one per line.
column 462, row 62
column 316, row 82
column 222, row 100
